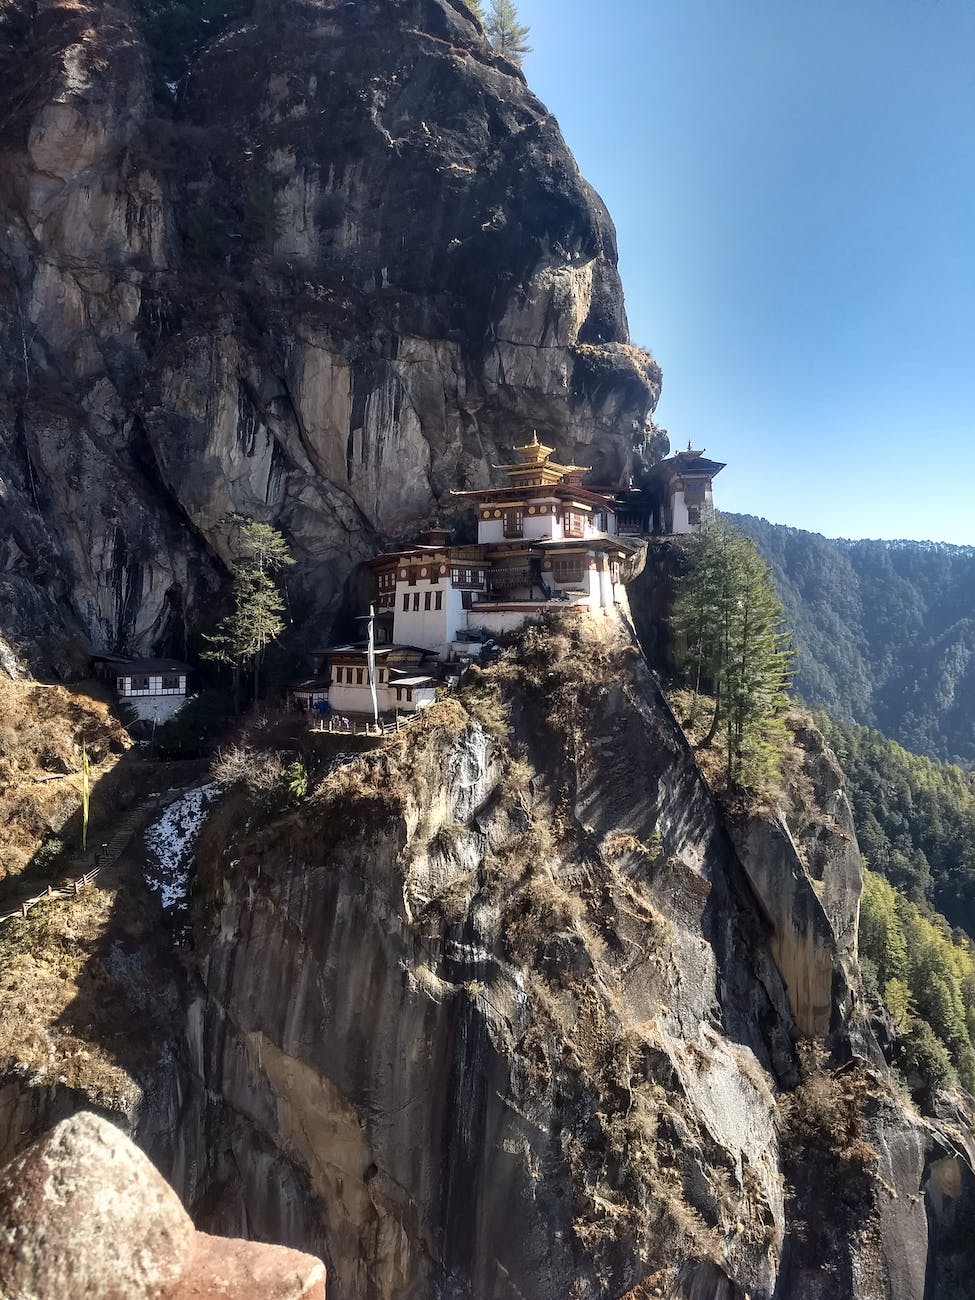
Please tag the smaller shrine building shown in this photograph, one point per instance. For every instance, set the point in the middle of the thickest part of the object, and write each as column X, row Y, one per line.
column 155, row 689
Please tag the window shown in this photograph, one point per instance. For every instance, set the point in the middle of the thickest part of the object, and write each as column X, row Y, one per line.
column 139, row 683
column 426, row 601
column 567, row 570
column 573, row 524
column 358, row 676
column 439, row 600
column 170, row 683
column 416, row 601
column 406, row 602
column 513, row 522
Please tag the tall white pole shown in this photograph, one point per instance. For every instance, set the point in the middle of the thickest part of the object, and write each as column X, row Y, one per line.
column 371, row 663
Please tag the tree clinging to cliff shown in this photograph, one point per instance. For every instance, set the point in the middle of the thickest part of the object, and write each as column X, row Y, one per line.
column 507, row 34
column 257, row 617
column 731, row 618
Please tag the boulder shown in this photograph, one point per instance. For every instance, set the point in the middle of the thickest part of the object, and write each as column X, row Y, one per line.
column 85, row 1213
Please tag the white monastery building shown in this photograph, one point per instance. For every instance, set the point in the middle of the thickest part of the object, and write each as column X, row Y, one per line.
column 544, row 540
column 155, row 689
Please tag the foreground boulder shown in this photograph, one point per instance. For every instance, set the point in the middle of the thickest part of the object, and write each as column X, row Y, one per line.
column 84, row 1213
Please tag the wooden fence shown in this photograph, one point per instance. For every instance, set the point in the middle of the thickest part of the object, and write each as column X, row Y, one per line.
column 96, row 861
column 340, row 726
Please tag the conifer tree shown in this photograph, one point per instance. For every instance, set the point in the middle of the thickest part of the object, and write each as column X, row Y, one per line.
column 257, row 617
column 476, row 8
column 506, row 33
column 728, row 611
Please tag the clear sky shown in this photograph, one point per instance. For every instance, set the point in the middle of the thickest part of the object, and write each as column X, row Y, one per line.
column 793, row 184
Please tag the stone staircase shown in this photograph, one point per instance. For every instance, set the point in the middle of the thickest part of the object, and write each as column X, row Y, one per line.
column 86, row 866
column 111, row 850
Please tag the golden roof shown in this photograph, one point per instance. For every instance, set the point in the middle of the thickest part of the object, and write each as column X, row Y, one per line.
column 536, row 456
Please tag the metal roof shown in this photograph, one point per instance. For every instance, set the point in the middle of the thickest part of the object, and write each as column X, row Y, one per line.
column 143, row 667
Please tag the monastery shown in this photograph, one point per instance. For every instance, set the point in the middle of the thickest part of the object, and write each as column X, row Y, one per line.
column 545, row 539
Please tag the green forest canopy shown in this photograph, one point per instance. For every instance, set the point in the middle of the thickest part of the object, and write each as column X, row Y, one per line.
column 885, row 632
column 915, row 818
column 925, row 976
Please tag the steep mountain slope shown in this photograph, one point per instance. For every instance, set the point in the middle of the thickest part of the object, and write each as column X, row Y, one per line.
column 915, row 818
column 330, row 275
column 499, row 1009
column 885, row 630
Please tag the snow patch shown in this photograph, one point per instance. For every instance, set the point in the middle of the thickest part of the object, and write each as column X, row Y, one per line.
column 171, row 841
column 8, row 660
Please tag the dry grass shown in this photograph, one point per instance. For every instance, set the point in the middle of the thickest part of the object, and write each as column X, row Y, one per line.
column 42, row 730
column 827, row 1110
column 791, row 790
column 624, row 844
column 47, row 978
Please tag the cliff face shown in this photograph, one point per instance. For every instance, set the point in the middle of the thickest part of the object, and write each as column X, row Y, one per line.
column 529, row 1028
column 332, row 273
column 503, row 1008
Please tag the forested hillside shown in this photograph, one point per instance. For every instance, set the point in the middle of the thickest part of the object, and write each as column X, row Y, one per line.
column 915, row 821
column 885, row 632
column 915, row 818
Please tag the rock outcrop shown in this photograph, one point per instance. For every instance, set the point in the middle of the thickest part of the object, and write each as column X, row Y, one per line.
column 500, row 1008
column 84, row 1213
column 330, row 275
column 528, row 1028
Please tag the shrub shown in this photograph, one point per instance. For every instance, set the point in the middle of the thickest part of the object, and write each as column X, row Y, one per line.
column 923, row 1054
column 295, row 781
column 194, row 728
column 48, row 855
column 260, row 771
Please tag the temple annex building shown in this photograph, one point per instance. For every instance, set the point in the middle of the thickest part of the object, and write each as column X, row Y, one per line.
column 545, row 539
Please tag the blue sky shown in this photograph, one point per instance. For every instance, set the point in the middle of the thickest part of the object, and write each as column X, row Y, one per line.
column 793, row 184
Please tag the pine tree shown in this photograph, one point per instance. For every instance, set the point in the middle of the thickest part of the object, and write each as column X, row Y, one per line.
column 506, row 33
column 731, row 618
column 476, row 9
column 257, row 617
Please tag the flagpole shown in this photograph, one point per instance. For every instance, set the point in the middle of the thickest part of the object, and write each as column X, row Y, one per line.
column 85, row 793
column 371, row 662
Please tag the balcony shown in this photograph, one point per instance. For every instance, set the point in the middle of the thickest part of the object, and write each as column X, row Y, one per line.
column 508, row 579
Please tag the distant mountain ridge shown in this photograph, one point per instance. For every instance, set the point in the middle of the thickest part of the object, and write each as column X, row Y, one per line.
column 885, row 632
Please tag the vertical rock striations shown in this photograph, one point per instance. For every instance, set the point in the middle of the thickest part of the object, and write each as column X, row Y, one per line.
column 527, row 1028
column 329, row 275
